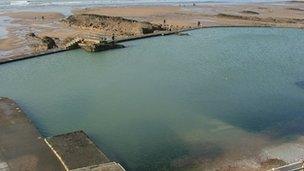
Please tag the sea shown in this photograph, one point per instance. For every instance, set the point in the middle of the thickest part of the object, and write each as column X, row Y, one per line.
column 7, row 4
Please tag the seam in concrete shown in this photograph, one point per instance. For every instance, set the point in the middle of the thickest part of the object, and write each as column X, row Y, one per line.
column 96, row 166
column 57, row 155
column 296, row 166
column 120, row 166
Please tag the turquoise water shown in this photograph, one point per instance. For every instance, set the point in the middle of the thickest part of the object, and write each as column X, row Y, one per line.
column 174, row 102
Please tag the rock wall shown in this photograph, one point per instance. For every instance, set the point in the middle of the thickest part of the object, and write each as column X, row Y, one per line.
column 40, row 44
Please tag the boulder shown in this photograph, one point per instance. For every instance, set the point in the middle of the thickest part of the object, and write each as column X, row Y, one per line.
column 50, row 42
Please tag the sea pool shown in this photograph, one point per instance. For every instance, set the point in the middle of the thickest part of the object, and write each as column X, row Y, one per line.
column 173, row 102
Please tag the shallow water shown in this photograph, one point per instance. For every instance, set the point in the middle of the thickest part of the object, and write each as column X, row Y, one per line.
column 171, row 102
column 4, row 22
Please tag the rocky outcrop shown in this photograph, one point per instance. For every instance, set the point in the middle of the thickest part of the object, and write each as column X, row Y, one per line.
column 295, row 9
column 112, row 25
column 260, row 19
column 93, row 47
column 40, row 44
column 250, row 12
column 49, row 42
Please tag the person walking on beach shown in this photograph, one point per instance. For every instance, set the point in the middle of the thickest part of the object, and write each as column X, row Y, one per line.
column 198, row 24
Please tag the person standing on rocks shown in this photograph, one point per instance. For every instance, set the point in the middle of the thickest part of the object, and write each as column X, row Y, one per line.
column 113, row 39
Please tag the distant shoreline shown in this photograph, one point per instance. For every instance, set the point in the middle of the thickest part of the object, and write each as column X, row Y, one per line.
column 66, row 8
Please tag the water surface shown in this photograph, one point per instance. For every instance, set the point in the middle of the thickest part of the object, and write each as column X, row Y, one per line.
column 171, row 102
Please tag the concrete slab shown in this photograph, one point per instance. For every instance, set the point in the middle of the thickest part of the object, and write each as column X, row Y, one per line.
column 21, row 145
column 112, row 166
column 76, row 150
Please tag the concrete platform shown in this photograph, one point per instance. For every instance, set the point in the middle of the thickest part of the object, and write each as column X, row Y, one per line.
column 21, row 145
column 112, row 166
column 77, row 152
column 23, row 149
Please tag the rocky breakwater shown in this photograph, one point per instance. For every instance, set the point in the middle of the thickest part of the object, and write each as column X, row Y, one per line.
column 109, row 25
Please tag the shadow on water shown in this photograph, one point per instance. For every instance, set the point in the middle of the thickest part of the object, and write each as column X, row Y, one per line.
column 277, row 118
column 199, row 154
column 300, row 84
column 158, row 148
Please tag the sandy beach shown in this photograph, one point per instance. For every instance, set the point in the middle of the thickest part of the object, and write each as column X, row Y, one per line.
column 284, row 14
column 23, row 23
column 210, row 14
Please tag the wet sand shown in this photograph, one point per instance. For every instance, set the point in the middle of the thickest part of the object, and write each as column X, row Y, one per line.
column 208, row 14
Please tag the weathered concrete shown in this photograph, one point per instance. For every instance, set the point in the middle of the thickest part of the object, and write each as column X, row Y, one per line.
column 23, row 149
column 112, row 166
column 21, row 145
column 28, row 56
column 77, row 152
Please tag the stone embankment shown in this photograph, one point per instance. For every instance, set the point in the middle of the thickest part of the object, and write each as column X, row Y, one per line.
column 24, row 148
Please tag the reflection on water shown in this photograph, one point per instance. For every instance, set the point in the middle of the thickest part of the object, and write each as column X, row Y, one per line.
column 176, row 102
